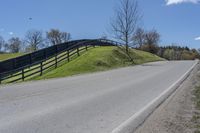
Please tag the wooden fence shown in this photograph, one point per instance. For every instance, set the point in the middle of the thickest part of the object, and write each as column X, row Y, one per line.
column 36, row 63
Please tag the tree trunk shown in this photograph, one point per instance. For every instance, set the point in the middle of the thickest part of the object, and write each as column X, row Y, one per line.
column 126, row 43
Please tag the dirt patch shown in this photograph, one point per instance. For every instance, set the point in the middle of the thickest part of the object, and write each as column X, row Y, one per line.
column 177, row 113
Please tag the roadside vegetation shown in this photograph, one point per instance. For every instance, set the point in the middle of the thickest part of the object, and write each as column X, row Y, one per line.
column 101, row 59
column 178, row 53
column 196, row 116
column 149, row 40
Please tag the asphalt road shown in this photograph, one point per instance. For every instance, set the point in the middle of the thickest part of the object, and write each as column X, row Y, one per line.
column 92, row 103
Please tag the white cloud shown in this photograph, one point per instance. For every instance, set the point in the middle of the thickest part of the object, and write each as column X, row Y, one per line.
column 11, row 33
column 197, row 39
column 171, row 2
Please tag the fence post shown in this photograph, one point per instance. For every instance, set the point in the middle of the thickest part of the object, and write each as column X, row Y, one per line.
column 78, row 51
column 68, row 55
column 45, row 55
column 41, row 69
column 0, row 79
column 56, row 61
column 86, row 47
column 22, row 74
column 14, row 63
column 30, row 58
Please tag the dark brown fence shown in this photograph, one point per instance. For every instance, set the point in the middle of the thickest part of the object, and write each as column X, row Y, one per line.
column 23, row 67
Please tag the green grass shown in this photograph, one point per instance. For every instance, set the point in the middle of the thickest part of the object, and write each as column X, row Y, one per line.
column 9, row 56
column 100, row 59
column 32, row 77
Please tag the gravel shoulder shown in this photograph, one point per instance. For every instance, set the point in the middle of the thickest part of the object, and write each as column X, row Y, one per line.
column 176, row 114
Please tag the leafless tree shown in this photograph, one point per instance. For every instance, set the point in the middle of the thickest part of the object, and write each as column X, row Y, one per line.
column 126, row 21
column 54, row 36
column 152, row 38
column 6, row 47
column 2, row 43
column 139, row 37
column 34, row 39
column 14, row 45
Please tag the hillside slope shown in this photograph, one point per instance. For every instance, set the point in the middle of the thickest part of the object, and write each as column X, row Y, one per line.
column 9, row 56
column 100, row 59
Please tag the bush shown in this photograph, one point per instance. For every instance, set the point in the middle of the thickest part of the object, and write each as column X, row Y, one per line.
column 187, row 55
column 150, row 48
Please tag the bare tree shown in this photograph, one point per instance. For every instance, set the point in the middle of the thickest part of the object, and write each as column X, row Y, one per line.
column 126, row 21
column 34, row 39
column 55, row 36
column 152, row 38
column 14, row 45
column 6, row 47
column 139, row 37
column 2, row 43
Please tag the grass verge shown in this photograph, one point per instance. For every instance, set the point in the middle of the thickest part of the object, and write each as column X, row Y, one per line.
column 196, row 116
column 100, row 59
column 9, row 56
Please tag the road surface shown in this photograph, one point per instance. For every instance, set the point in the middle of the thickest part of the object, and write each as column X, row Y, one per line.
column 91, row 103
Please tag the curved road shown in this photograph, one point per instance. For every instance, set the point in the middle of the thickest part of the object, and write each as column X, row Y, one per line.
column 91, row 103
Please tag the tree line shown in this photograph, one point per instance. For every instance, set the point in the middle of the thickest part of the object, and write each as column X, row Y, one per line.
column 149, row 41
column 34, row 40
column 176, row 52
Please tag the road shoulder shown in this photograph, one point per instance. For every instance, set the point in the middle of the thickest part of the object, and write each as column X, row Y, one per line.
column 176, row 113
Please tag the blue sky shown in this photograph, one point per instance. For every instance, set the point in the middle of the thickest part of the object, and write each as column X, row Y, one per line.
column 177, row 20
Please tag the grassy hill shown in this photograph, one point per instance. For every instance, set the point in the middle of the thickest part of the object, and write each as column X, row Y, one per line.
column 9, row 56
column 100, row 59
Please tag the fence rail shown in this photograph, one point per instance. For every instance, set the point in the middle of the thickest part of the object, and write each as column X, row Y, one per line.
column 29, row 65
